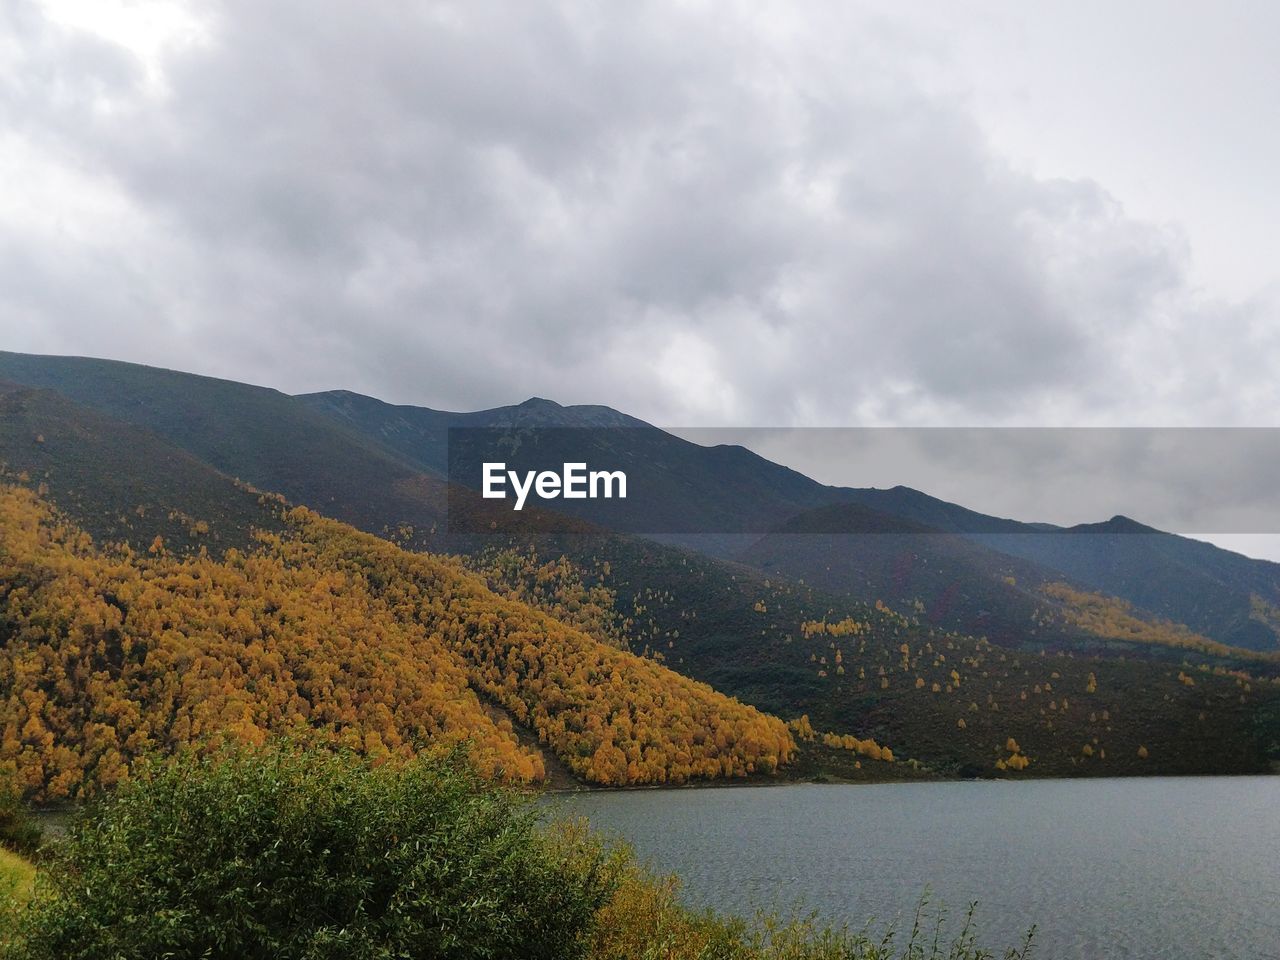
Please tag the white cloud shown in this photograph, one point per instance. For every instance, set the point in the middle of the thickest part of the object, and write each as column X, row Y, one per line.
column 751, row 213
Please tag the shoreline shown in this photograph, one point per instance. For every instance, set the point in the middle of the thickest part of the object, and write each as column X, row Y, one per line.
column 839, row 782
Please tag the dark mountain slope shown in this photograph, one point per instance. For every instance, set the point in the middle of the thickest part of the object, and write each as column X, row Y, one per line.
column 123, row 483
column 946, row 579
column 718, row 499
column 255, row 434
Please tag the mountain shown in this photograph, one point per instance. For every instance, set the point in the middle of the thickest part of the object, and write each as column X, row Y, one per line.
column 379, row 466
column 907, row 672
column 957, row 562
column 383, row 468
column 280, row 444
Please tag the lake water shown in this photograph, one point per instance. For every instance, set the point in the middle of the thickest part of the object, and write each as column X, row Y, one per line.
column 1157, row 869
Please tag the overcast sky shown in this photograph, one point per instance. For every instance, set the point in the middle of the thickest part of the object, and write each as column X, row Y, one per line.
column 700, row 213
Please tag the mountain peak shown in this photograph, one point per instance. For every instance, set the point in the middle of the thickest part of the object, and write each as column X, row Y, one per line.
column 1122, row 523
column 1117, row 524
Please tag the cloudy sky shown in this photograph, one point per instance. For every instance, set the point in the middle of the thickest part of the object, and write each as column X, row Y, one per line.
column 701, row 213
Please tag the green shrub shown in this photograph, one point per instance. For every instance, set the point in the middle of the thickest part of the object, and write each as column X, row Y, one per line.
column 304, row 854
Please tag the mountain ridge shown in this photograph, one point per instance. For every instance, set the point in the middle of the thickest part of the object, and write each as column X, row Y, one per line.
column 347, row 445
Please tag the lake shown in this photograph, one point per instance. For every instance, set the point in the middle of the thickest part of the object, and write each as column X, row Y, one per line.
column 1157, row 869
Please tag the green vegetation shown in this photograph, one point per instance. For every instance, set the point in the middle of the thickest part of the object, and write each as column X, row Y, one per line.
column 19, row 839
column 17, row 876
column 296, row 853
column 293, row 852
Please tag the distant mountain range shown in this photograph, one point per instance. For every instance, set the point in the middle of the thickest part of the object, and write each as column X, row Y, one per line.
column 726, row 489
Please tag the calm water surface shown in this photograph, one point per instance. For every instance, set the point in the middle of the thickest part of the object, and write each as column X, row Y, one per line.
column 1158, row 869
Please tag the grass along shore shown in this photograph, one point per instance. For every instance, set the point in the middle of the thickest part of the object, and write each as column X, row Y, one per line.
column 16, row 877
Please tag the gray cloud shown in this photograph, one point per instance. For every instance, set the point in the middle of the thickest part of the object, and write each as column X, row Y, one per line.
column 696, row 213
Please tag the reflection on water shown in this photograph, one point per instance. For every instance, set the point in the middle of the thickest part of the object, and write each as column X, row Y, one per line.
column 1164, row 869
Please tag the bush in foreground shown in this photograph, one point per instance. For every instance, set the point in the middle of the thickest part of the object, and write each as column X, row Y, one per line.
column 304, row 854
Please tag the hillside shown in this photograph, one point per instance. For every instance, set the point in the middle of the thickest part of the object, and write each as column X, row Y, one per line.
column 256, row 435
column 1230, row 598
column 123, row 483
column 944, row 578
column 325, row 632
column 947, row 700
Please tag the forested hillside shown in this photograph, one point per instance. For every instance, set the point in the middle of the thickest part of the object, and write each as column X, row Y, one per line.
column 950, row 701
column 324, row 632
